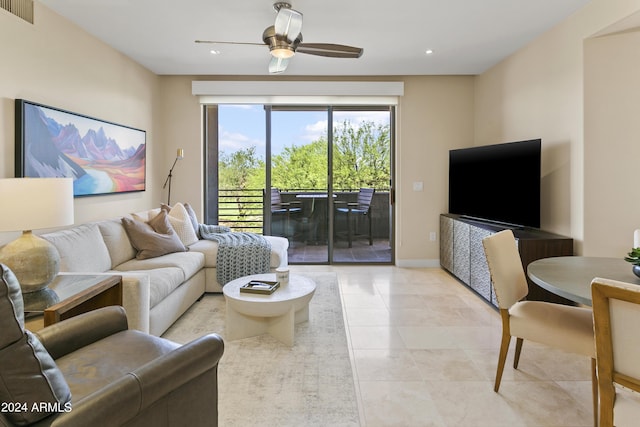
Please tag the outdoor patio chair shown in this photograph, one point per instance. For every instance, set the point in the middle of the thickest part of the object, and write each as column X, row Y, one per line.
column 285, row 210
column 352, row 210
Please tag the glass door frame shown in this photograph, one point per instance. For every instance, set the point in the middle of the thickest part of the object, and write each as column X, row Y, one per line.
column 210, row 136
column 269, row 109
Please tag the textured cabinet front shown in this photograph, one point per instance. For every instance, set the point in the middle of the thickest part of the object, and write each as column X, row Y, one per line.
column 461, row 251
column 479, row 277
column 446, row 243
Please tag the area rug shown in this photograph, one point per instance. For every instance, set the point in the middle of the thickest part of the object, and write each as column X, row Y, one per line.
column 262, row 382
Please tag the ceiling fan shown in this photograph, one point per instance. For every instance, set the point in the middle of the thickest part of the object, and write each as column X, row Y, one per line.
column 284, row 39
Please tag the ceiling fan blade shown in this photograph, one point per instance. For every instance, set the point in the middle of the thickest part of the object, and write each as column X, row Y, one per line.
column 278, row 65
column 288, row 23
column 331, row 50
column 221, row 42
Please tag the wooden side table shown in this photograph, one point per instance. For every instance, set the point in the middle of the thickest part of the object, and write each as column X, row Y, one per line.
column 69, row 295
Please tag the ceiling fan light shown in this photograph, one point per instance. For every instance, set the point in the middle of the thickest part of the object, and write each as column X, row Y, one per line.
column 282, row 52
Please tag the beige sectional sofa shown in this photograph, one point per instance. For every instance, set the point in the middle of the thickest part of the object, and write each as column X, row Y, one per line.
column 156, row 291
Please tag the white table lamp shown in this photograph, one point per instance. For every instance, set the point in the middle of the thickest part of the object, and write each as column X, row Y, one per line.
column 30, row 204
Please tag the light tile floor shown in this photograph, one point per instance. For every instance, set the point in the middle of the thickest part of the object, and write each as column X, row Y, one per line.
column 425, row 350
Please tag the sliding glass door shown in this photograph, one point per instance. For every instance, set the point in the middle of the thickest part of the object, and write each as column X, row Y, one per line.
column 361, row 183
column 235, row 166
column 319, row 176
column 299, row 171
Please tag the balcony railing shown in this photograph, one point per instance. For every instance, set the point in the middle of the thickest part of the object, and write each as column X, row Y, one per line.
column 243, row 209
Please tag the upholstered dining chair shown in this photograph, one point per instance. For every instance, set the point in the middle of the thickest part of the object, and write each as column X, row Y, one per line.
column 555, row 325
column 278, row 207
column 352, row 210
column 616, row 314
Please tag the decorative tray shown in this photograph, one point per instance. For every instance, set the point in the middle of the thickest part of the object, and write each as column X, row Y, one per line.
column 260, row 287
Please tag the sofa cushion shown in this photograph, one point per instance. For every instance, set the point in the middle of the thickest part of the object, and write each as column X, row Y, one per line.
column 209, row 249
column 162, row 281
column 153, row 238
column 279, row 247
column 28, row 374
column 117, row 241
column 189, row 262
column 81, row 248
column 181, row 223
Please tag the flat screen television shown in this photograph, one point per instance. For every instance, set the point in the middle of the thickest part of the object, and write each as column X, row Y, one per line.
column 499, row 183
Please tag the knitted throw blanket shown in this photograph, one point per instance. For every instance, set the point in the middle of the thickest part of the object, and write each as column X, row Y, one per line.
column 239, row 254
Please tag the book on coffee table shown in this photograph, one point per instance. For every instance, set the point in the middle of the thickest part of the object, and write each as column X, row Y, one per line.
column 260, row 287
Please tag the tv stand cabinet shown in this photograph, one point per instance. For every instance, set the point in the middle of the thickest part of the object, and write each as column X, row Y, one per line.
column 462, row 253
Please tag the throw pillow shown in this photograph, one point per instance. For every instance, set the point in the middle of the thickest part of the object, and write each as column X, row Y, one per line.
column 154, row 238
column 181, row 223
column 145, row 216
column 193, row 218
column 29, row 377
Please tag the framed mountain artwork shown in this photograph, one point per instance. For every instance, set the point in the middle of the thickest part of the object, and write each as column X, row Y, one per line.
column 101, row 157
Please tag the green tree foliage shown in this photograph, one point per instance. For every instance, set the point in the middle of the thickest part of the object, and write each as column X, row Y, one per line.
column 361, row 156
column 242, row 170
column 360, row 159
column 301, row 167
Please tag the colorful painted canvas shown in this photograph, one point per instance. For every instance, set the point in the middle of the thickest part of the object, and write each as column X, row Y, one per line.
column 100, row 156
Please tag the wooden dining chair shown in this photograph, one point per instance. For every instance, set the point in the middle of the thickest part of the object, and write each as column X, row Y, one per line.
column 560, row 326
column 360, row 208
column 616, row 315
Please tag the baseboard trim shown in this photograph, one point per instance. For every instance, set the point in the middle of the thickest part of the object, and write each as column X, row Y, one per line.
column 418, row 263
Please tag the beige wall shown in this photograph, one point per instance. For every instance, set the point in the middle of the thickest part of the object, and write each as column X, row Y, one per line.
column 179, row 119
column 538, row 92
column 612, row 146
column 434, row 116
column 55, row 63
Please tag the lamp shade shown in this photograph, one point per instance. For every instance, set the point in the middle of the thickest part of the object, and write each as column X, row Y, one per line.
column 35, row 203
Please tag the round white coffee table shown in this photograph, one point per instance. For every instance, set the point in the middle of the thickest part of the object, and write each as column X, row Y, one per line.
column 250, row 314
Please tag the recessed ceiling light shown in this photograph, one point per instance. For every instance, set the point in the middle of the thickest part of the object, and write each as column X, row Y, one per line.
column 215, row 52
column 429, row 52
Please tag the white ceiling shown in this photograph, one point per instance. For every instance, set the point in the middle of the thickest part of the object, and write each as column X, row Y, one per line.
column 467, row 36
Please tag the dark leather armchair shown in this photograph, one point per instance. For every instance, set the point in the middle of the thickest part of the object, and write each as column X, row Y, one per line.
column 360, row 208
column 115, row 376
